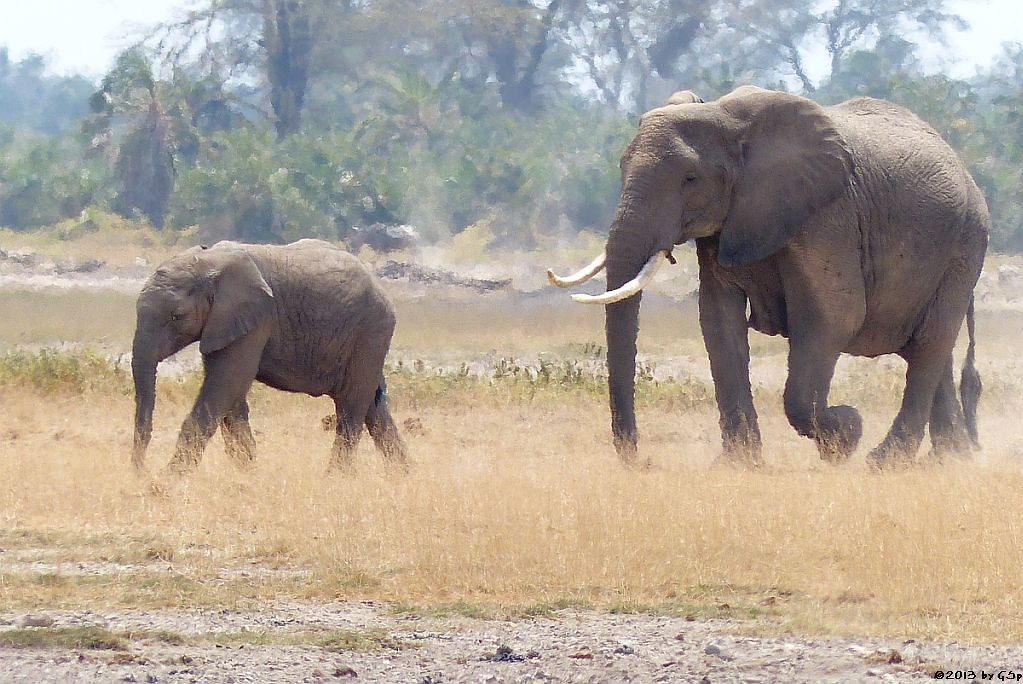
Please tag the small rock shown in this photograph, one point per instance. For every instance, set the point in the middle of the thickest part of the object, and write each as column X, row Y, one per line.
column 680, row 637
column 894, row 657
column 713, row 649
column 88, row 266
column 345, row 671
column 186, row 659
column 37, row 621
column 151, row 679
column 625, row 649
column 582, row 654
column 504, row 654
column 413, row 426
column 317, row 673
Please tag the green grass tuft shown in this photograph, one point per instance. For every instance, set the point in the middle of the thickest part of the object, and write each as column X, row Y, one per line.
column 51, row 371
column 88, row 637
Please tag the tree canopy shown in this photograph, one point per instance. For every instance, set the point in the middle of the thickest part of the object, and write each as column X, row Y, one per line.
column 274, row 119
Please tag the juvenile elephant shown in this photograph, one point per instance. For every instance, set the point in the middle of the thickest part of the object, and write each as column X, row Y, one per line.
column 852, row 228
column 305, row 317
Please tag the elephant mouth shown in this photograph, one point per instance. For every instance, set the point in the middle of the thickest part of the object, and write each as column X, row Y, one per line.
column 694, row 225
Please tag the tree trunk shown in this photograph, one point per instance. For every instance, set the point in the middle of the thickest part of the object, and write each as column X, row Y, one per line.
column 287, row 39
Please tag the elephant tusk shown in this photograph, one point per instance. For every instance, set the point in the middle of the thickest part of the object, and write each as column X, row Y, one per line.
column 580, row 276
column 642, row 279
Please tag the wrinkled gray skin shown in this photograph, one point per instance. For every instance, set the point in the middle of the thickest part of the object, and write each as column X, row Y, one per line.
column 851, row 228
column 305, row 317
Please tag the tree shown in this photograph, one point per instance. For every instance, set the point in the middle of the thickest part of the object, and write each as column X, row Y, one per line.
column 998, row 162
column 514, row 44
column 792, row 28
column 130, row 123
column 272, row 40
column 30, row 98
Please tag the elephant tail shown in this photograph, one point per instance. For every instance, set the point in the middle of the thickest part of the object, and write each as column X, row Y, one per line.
column 970, row 386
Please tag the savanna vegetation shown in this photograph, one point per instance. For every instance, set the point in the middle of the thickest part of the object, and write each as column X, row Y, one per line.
column 515, row 504
column 494, row 127
column 270, row 120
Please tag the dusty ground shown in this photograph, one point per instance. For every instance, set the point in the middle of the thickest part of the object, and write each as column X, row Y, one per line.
column 572, row 646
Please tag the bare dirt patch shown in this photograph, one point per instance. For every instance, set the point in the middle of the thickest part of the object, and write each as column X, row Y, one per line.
column 341, row 641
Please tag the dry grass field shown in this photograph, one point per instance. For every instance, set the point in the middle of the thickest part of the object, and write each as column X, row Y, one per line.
column 515, row 503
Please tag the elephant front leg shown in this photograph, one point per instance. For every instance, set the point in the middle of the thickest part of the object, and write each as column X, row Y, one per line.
column 724, row 328
column 195, row 433
column 229, row 373
column 238, row 440
column 835, row 429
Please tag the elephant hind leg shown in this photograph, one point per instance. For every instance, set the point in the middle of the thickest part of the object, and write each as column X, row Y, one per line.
column 929, row 393
column 238, row 440
column 353, row 401
column 383, row 430
column 351, row 415
column 835, row 429
column 923, row 375
column 947, row 424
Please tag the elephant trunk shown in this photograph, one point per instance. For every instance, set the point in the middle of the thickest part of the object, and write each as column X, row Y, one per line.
column 143, row 371
column 624, row 262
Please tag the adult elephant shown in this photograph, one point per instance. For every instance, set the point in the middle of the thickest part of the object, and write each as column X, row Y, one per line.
column 305, row 317
column 852, row 228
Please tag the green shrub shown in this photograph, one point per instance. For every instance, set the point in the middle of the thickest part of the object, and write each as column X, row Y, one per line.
column 63, row 371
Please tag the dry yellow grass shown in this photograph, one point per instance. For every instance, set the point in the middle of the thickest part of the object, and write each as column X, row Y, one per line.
column 99, row 235
column 515, row 499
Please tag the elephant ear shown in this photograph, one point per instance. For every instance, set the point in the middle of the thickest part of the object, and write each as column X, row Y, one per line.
column 792, row 162
column 242, row 299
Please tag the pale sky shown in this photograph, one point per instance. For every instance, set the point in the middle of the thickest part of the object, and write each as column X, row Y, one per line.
column 84, row 35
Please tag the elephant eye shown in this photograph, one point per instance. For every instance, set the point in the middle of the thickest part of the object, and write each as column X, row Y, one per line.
column 691, row 178
column 177, row 316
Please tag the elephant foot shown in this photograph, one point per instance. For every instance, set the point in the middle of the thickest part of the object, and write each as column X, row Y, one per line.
column 735, row 461
column 953, row 446
column 181, row 468
column 742, row 449
column 893, row 454
column 838, row 432
column 628, row 452
column 341, row 463
column 637, row 464
column 397, row 463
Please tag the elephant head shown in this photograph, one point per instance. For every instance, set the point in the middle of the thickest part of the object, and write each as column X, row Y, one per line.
column 214, row 295
column 749, row 168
